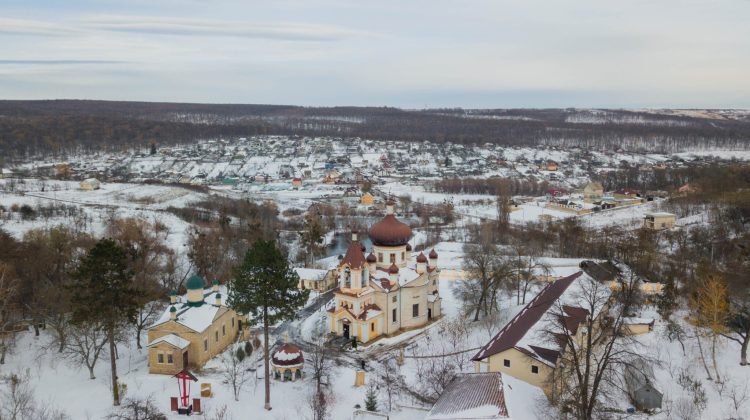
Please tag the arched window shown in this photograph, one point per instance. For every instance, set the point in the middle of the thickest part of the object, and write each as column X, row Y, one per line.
column 347, row 278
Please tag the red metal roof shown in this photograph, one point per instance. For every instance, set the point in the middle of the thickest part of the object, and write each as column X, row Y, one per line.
column 354, row 256
column 509, row 336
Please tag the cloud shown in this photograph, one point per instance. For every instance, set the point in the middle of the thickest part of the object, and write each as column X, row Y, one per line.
column 58, row 62
column 202, row 27
column 34, row 27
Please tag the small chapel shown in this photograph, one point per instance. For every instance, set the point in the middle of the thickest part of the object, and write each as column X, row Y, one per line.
column 388, row 290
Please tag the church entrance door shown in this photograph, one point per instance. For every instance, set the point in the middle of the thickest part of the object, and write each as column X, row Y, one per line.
column 346, row 331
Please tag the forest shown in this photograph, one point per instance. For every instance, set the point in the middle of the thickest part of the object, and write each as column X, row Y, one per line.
column 58, row 127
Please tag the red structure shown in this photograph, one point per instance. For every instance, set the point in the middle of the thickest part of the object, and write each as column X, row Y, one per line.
column 183, row 386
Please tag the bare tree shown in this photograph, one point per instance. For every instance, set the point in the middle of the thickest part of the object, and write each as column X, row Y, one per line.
column 235, row 369
column 594, row 352
column 486, row 273
column 84, row 345
column 321, row 400
column 390, row 380
column 527, row 267
column 9, row 314
column 17, row 400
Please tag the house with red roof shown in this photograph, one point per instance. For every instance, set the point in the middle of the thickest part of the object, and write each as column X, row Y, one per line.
column 530, row 346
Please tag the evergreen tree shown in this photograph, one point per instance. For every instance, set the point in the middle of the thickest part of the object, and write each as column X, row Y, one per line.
column 103, row 295
column 371, row 400
column 265, row 286
column 153, row 149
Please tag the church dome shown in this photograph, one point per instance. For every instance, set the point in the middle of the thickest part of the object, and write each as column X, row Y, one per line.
column 287, row 355
column 372, row 258
column 195, row 282
column 421, row 258
column 433, row 254
column 393, row 269
column 390, row 232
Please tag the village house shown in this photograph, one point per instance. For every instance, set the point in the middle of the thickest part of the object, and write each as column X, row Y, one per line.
column 315, row 279
column 472, row 396
column 193, row 329
column 526, row 347
column 385, row 292
column 659, row 220
column 593, row 191
column 90, row 184
column 367, row 199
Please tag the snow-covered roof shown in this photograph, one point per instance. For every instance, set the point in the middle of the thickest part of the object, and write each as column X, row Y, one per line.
column 172, row 339
column 197, row 318
column 531, row 330
column 471, row 396
column 311, row 274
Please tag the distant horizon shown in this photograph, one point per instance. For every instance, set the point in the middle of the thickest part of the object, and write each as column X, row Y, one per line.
column 386, row 106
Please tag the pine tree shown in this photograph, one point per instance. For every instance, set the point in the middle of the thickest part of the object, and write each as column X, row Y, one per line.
column 371, row 400
column 265, row 286
column 103, row 295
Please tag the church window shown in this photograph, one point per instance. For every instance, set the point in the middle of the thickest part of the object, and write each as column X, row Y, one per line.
column 205, row 344
column 415, row 310
column 393, row 258
column 216, row 336
column 347, row 278
column 403, row 256
column 506, row 362
column 395, row 298
column 232, row 322
column 223, row 330
column 534, row 369
column 169, row 359
column 160, row 357
column 380, row 257
column 394, row 315
column 372, row 326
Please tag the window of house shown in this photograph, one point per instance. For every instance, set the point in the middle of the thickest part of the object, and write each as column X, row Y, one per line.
column 160, row 358
column 216, row 336
column 506, row 362
column 205, row 344
column 372, row 326
column 169, row 359
column 394, row 298
column 415, row 310
column 534, row 369
column 394, row 315
column 223, row 330
column 380, row 257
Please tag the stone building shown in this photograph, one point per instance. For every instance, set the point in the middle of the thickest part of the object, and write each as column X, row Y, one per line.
column 387, row 291
column 193, row 329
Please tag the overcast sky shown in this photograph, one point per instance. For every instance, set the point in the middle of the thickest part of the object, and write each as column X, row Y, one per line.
column 406, row 53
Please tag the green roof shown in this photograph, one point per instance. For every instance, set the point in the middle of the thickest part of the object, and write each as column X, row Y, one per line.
column 195, row 282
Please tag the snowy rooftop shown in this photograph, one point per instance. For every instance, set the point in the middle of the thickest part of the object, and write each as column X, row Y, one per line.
column 311, row 274
column 172, row 339
column 531, row 330
column 471, row 396
column 197, row 318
